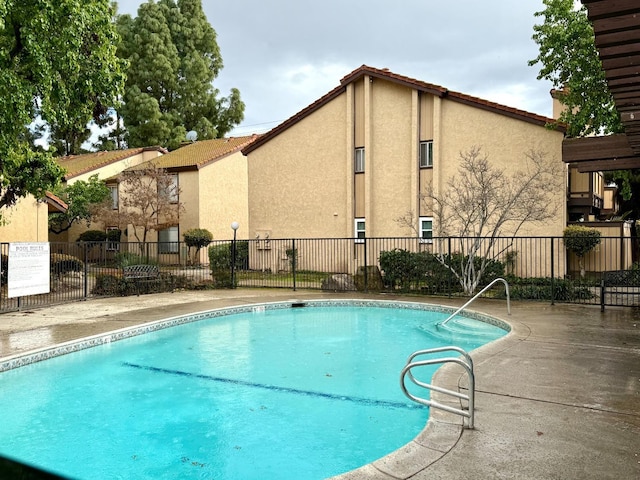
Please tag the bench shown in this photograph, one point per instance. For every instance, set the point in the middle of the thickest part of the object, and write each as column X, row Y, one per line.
column 619, row 282
column 140, row 273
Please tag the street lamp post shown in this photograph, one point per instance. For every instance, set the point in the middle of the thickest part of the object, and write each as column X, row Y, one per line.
column 234, row 227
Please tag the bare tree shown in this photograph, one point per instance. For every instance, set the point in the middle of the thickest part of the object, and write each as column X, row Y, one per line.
column 148, row 201
column 483, row 202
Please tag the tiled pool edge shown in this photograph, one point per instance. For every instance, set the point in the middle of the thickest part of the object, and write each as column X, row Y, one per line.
column 41, row 354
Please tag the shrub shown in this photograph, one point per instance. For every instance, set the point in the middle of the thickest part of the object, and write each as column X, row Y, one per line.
column 114, row 235
column 111, row 285
column 220, row 264
column 540, row 289
column 292, row 256
column 580, row 240
column 61, row 264
column 409, row 270
column 242, row 255
column 198, row 238
column 124, row 259
column 402, row 268
column 92, row 236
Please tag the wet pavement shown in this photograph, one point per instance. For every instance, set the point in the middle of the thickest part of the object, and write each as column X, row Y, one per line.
column 557, row 398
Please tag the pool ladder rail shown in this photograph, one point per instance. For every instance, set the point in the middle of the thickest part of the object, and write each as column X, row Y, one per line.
column 465, row 362
column 506, row 286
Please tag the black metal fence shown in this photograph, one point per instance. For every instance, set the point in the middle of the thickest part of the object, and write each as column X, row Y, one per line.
column 537, row 268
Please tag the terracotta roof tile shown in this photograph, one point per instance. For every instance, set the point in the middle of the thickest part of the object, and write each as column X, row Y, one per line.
column 75, row 165
column 198, row 154
column 409, row 82
column 56, row 204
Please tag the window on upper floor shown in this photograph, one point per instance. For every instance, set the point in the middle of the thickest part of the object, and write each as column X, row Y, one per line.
column 114, row 196
column 170, row 187
column 426, row 229
column 359, row 230
column 359, row 160
column 426, row 154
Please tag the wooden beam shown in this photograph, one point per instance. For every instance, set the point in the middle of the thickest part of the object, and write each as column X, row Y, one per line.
column 621, row 62
column 609, row 165
column 627, row 48
column 598, row 8
column 625, row 72
column 596, row 148
column 631, row 116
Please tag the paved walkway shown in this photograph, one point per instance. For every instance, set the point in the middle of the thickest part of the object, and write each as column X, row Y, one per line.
column 558, row 398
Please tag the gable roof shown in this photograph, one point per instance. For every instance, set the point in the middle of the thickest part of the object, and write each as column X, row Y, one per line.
column 79, row 164
column 198, row 154
column 55, row 203
column 419, row 85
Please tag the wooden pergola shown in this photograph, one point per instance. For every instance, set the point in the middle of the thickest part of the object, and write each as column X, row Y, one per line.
column 616, row 24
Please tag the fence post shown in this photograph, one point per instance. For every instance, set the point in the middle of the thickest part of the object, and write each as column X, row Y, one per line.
column 366, row 283
column 553, row 276
column 450, row 263
column 602, row 293
column 294, row 257
column 85, row 255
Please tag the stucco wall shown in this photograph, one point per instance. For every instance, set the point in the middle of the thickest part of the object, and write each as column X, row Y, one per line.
column 391, row 157
column 505, row 141
column 222, row 187
column 27, row 221
column 298, row 181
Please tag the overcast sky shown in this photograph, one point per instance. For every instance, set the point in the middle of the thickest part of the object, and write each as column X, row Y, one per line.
column 284, row 54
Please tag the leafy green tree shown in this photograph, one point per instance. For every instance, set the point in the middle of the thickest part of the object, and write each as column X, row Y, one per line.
column 581, row 240
column 58, row 64
column 174, row 59
column 83, row 199
column 569, row 60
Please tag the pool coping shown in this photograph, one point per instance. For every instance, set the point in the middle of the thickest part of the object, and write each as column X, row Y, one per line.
column 440, row 434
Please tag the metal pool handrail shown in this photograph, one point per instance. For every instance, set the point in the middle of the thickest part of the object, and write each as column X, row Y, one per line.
column 467, row 363
column 480, row 293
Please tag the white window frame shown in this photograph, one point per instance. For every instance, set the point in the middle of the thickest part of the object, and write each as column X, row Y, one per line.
column 359, row 160
column 426, row 154
column 425, row 231
column 170, row 244
column 359, row 230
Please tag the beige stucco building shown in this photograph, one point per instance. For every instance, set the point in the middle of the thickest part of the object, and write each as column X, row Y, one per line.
column 210, row 177
column 356, row 154
column 104, row 164
column 361, row 156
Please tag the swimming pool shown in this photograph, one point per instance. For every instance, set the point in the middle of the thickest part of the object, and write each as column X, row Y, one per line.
column 264, row 391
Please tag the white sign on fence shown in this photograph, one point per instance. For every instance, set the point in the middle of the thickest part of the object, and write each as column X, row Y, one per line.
column 28, row 269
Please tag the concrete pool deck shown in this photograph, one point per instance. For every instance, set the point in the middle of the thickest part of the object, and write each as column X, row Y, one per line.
column 558, row 398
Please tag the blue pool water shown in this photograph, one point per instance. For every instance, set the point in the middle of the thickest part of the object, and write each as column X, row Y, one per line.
column 299, row 393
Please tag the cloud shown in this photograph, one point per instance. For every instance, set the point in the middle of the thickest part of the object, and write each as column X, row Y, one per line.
column 284, row 54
